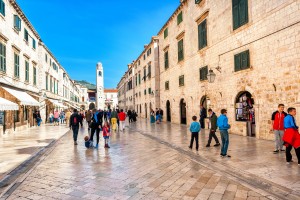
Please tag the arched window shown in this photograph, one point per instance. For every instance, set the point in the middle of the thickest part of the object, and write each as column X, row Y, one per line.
column 100, row 73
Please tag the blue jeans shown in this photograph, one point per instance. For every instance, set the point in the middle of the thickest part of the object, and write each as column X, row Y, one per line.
column 225, row 141
column 75, row 132
column 38, row 120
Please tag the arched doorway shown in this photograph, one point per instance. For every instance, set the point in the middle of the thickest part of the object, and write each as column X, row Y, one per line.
column 146, row 111
column 182, row 111
column 244, row 109
column 92, row 106
column 168, row 108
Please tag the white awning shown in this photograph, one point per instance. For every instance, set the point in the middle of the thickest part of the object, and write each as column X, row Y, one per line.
column 8, row 105
column 57, row 104
column 23, row 97
column 72, row 105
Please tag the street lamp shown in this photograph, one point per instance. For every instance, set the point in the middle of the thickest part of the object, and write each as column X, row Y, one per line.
column 211, row 76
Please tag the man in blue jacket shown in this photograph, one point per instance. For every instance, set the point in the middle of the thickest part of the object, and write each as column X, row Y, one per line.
column 224, row 126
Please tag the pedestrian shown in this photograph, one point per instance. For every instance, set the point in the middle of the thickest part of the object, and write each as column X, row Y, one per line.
column 74, row 125
column 134, row 115
column 38, row 118
column 203, row 115
column 152, row 116
column 88, row 143
column 195, row 129
column 108, row 116
column 122, row 117
column 106, row 134
column 100, row 117
column 67, row 116
column 118, row 120
column 129, row 114
column 62, row 116
column 81, row 118
column 88, row 117
column 291, row 136
column 105, row 115
column 95, row 127
column 34, row 117
column 161, row 113
column 223, row 125
column 114, row 119
column 277, row 126
column 51, row 118
column 213, row 128
column 157, row 116
column 56, row 118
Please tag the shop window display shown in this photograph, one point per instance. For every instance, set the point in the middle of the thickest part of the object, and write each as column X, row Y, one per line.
column 244, row 108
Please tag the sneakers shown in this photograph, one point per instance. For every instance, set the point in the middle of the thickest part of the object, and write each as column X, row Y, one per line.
column 276, row 151
column 282, row 150
column 218, row 144
column 96, row 146
column 226, row 155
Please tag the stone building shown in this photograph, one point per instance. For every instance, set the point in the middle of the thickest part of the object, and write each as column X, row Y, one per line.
column 30, row 75
column 126, row 90
column 122, row 85
column 111, row 98
column 252, row 49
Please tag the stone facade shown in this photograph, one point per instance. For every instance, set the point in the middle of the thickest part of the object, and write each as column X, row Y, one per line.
column 271, row 35
column 43, row 78
column 111, row 98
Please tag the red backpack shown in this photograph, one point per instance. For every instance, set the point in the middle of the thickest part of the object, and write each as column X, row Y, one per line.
column 75, row 121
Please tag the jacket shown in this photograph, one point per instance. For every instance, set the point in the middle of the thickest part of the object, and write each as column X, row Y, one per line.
column 114, row 114
column 105, row 131
column 122, row 116
column 195, row 127
column 222, row 122
column 213, row 121
column 88, row 116
column 289, row 122
column 278, row 120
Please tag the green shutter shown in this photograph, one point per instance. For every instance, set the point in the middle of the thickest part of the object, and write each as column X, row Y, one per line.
column 245, row 63
column 166, row 33
column 34, row 75
column 26, row 35
column 2, row 57
column 180, row 50
column 202, row 35
column 166, row 60
column 2, row 7
column 243, row 12
column 179, row 18
column 33, row 43
column 235, row 14
column 237, row 62
column 197, row 1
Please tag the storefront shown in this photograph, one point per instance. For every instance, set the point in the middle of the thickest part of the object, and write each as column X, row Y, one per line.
column 5, row 106
column 244, row 111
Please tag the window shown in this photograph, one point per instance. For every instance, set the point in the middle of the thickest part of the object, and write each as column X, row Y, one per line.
column 17, row 23
column 145, row 91
column 242, row 61
column 203, row 73
column 145, row 74
column 17, row 116
column 166, row 33
column 46, row 57
column 46, row 82
column 50, row 84
column 136, row 80
column 139, row 62
column 181, row 80
column 17, row 65
column 179, row 18
column 139, row 79
column 166, row 55
column 33, row 44
column 202, row 35
column 26, row 38
column 239, row 13
column 26, row 71
column 197, row 1
column 25, row 113
column 144, row 56
column 34, row 75
column 149, row 52
column 2, row 57
column 167, row 86
column 100, row 73
column 2, row 7
column 149, row 71
column 149, row 91
column 180, row 50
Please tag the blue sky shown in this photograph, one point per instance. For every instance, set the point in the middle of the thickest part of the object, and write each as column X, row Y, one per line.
column 82, row 32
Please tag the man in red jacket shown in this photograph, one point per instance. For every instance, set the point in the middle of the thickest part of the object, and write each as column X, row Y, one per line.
column 122, row 117
column 277, row 126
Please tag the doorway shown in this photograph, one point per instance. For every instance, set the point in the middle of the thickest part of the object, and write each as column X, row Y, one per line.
column 146, row 111
column 182, row 111
column 168, row 108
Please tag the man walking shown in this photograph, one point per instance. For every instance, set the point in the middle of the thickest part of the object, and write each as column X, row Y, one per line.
column 202, row 116
column 122, row 117
column 114, row 119
column 277, row 126
column 88, row 117
column 223, row 125
column 213, row 128
column 74, row 124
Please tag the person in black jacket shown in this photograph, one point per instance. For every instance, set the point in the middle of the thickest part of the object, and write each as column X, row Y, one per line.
column 202, row 116
column 213, row 128
column 74, row 125
column 95, row 126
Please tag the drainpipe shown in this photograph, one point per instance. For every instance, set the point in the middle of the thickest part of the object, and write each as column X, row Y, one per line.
column 4, row 126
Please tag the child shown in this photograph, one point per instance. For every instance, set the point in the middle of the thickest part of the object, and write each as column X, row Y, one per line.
column 195, row 129
column 106, row 133
column 87, row 142
column 291, row 136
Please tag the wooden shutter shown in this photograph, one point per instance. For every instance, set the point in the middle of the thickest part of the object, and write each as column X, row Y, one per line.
column 166, row 59
column 235, row 14
column 2, row 7
column 202, row 34
column 237, row 62
column 179, row 18
column 180, row 50
column 197, row 1
column 243, row 12
column 245, row 60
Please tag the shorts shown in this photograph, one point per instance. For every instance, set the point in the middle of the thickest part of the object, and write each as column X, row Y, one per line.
column 106, row 137
column 56, row 119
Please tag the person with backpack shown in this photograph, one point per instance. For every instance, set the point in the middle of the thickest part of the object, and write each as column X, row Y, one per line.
column 95, row 126
column 74, row 125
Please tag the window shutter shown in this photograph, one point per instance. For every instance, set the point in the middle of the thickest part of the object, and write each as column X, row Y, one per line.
column 243, row 12
column 235, row 14
column 25, row 34
column 202, row 34
column 197, row 1
column 237, row 62
column 245, row 61
column 166, row 59
column 179, row 18
column 2, row 7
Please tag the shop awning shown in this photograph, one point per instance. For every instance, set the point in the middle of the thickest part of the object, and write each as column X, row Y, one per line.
column 23, row 97
column 8, row 105
column 57, row 104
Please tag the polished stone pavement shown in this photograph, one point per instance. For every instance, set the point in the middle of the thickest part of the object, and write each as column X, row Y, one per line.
column 150, row 161
column 18, row 147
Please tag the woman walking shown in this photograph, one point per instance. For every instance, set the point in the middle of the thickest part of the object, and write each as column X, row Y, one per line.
column 152, row 116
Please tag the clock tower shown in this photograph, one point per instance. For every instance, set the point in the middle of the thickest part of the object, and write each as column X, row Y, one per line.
column 100, row 86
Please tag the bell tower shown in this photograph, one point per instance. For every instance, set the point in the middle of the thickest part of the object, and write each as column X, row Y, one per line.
column 100, row 86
